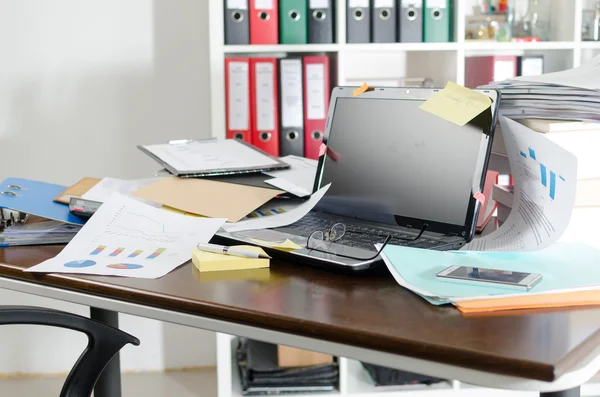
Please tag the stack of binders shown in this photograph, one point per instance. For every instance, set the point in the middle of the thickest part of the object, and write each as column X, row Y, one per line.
column 282, row 119
column 279, row 22
column 403, row 21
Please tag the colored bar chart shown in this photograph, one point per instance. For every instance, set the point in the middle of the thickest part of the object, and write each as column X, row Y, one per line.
column 98, row 250
column 156, row 253
column 117, row 251
column 552, row 185
column 135, row 253
column 543, row 173
column 532, row 153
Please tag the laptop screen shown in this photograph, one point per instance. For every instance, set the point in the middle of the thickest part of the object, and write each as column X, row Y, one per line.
column 388, row 160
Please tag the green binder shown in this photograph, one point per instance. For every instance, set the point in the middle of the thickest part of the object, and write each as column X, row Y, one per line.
column 293, row 21
column 437, row 21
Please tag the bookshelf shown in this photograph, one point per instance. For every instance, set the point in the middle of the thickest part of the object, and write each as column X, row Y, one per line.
column 361, row 62
column 439, row 61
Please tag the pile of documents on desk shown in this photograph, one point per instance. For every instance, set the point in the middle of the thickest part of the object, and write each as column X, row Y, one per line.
column 550, row 150
column 40, row 232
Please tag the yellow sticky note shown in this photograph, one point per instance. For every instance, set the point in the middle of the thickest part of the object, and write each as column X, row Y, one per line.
column 211, row 262
column 457, row 104
column 287, row 245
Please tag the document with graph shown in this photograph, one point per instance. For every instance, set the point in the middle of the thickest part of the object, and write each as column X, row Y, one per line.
column 128, row 238
column 545, row 180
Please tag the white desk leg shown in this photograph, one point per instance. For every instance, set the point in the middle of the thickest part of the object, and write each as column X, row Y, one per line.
column 109, row 383
column 576, row 392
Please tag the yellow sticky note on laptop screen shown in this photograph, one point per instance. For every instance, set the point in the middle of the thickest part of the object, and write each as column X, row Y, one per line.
column 457, row 104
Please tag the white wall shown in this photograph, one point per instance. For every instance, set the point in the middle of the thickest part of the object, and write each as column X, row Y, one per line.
column 81, row 83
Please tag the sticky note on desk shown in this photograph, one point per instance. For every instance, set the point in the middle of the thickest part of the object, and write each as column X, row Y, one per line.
column 457, row 104
column 211, row 262
column 287, row 245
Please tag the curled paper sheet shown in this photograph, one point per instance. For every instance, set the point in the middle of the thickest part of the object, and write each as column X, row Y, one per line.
column 545, row 177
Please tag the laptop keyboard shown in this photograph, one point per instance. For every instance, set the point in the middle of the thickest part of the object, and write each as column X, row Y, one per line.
column 359, row 236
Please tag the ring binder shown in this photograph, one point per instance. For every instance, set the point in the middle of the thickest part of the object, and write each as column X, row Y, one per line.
column 9, row 193
column 15, row 187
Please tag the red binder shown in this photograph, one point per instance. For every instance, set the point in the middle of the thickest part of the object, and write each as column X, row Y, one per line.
column 263, row 89
column 264, row 22
column 237, row 96
column 316, row 102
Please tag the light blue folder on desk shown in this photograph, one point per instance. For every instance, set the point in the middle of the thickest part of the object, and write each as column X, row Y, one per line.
column 36, row 198
column 563, row 266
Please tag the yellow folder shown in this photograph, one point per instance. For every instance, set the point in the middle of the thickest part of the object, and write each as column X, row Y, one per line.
column 211, row 262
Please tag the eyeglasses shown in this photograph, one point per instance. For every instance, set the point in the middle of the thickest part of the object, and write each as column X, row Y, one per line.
column 320, row 240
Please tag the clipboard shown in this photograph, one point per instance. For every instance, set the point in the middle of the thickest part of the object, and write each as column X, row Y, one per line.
column 36, row 198
column 212, row 157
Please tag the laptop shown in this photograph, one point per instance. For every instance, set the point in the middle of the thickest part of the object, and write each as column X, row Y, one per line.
column 398, row 175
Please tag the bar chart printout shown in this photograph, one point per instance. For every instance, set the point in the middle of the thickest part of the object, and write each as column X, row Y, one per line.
column 156, row 253
column 98, row 250
column 135, row 253
column 117, row 251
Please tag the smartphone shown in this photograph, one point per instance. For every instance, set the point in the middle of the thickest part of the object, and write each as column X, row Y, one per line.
column 479, row 274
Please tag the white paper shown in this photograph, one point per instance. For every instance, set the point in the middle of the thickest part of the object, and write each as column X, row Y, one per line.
column 198, row 156
column 384, row 4
column 292, row 109
column 436, row 4
column 263, row 4
column 237, row 4
column 299, row 179
column 412, row 3
column 315, row 88
column 585, row 76
column 318, row 4
column 545, row 177
column 358, row 3
column 265, row 96
column 128, row 238
column 293, row 212
column 107, row 186
column 238, row 96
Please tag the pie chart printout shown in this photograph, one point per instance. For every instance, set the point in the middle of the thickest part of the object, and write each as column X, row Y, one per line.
column 81, row 263
column 125, row 266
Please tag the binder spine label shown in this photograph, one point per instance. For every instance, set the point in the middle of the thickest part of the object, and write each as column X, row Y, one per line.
column 358, row 3
column 291, row 93
column 238, row 96
column 315, row 81
column 237, row 4
column 263, row 4
column 319, row 4
column 265, row 99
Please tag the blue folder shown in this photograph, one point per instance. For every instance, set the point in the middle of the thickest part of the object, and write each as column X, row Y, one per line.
column 36, row 198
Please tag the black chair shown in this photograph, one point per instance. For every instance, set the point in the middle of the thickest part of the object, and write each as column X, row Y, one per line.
column 104, row 343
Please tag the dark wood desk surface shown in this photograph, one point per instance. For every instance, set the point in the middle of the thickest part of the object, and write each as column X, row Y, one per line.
column 369, row 311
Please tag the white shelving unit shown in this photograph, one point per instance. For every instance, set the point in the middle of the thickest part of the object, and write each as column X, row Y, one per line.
column 438, row 61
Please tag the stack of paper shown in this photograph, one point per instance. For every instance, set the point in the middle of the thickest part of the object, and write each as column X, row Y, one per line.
column 45, row 232
column 568, row 95
column 573, row 285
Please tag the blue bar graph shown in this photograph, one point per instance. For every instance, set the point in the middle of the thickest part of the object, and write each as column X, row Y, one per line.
column 552, row 185
column 532, row 153
column 543, row 173
column 524, row 154
column 562, row 177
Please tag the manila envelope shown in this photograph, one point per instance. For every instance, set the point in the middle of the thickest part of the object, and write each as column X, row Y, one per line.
column 77, row 190
column 208, row 198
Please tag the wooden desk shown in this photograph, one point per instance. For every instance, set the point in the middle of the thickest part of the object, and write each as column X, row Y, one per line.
column 367, row 317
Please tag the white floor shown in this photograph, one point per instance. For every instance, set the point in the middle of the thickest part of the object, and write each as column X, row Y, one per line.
column 180, row 384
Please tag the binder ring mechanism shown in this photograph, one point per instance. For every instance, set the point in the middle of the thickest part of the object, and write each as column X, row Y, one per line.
column 292, row 135
column 319, row 15
column 411, row 14
column 436, row 14
column 265, row 16
column 237, row 16
column 294, row 15
column 265, row 136
column 358, row 14
column 385, row 14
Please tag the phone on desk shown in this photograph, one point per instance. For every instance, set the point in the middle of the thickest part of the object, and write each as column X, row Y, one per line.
column 479, row 274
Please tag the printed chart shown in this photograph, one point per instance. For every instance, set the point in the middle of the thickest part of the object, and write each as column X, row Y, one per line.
column 547, row 177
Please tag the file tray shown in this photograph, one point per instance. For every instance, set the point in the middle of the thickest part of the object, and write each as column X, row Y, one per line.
column 200, row 158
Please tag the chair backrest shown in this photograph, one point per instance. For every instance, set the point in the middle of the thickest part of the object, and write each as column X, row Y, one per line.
column 104, row 342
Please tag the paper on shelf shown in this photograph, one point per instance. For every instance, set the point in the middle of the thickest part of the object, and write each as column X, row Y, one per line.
column 107, row 186
column 419, row 268
column 457, row 104
column 545, row 180
column 132, row 239
column 586, row 76
column 292, row 212
column 299, row 179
